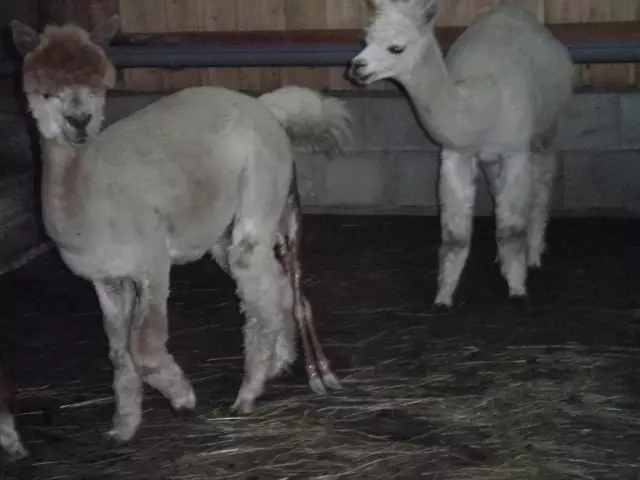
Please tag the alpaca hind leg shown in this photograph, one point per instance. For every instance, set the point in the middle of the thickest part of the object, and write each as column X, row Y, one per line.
column 513, row 209
column 149, row 336
column 302, row 312
column 117, row 301
column 265, row 296
column 329, row 378
column 288, row 246
column 457, row 196
column 545, row 166
column 287, row 261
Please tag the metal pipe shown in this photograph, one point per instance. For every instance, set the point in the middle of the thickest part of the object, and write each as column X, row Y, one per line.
column 620, row 50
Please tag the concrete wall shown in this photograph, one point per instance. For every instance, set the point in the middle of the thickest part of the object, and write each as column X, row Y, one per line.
column 392, row 166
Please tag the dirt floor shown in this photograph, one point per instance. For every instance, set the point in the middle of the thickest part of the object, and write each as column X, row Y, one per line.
column 493, row 390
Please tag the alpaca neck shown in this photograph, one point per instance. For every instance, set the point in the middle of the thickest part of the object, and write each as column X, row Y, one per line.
column 61, row 174
column 445, row 110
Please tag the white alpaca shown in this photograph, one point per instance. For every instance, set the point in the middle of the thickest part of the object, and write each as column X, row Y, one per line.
column 206, row 170
column 494, row 100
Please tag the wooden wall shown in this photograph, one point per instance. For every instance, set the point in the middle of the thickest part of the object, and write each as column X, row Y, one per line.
column 159, row 16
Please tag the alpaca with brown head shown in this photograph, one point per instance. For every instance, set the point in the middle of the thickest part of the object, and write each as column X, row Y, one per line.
column 203, row 171
column 65, row 76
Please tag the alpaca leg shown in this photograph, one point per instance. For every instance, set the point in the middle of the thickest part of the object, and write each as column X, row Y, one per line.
column 513, row 210
column 149, row 335
column 266, row 299
column 9, row 438
column 117, row 301
column 329, row 378
column 457, row 196
column 220, row 252
column 303, row 315
column 545, row 166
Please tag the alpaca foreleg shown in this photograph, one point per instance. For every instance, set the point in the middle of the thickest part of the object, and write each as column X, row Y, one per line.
column 513, row 209
column 148, row 342
column 117, row 301
column 220, row 252
column 457, row 196
column 9, row 437
column 545, row 165
column 10, row 440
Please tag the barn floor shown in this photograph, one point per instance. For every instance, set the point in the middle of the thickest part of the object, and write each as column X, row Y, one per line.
column 492, row 390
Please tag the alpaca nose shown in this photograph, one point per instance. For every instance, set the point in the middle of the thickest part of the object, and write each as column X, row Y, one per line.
column 357, row 66
column 78, row 122
column 357, row 71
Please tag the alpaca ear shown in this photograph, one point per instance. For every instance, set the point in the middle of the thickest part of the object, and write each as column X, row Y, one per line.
column 103, row 34
column 25, row 38
column 430, row 11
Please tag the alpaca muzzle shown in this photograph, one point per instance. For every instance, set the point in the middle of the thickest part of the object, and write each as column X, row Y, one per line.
column 78, row 124
column 358, row 73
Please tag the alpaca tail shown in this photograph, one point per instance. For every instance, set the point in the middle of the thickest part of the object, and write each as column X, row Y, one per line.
column 311, row 120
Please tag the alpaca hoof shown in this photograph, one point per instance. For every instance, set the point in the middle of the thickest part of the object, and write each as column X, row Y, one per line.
column 242, row 407
column 185, row 401
column 442, row 308
column 112, row 439
column 183, row 412
column 534, row 264
column 16, row 453
column 330, row 380
column 121, row 433
column 317, row 387
column 518, row 299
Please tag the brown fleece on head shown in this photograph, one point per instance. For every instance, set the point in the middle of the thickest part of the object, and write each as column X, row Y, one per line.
column 66, row 57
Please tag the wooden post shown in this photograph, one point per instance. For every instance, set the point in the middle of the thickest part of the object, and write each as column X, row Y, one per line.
column 86, row 13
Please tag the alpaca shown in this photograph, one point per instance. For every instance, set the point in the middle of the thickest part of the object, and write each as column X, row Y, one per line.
column 205, row 170
column 10, row 440
column 494, row 102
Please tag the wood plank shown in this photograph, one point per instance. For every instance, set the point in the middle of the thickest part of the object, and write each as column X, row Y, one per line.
column 566, row 32
column 260, row 15
column 305, row 15
column 146, row 16
column 86, row 13
column 219, row 16
column 610, row 75
column 562, row 12
column 349, row 15
column 183, row 16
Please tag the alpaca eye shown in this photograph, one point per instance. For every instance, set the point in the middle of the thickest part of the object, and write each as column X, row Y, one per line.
column 46, row 96
column 396, row 49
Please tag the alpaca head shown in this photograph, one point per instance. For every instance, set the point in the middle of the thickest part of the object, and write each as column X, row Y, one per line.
column 399, row 34
column 65, row 76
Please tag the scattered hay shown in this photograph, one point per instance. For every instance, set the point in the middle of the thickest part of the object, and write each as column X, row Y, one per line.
column 522, row 413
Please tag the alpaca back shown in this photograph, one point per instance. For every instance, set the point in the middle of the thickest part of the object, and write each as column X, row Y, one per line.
column 510, row 45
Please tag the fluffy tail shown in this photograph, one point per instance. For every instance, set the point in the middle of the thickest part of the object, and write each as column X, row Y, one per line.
column 311, row 120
